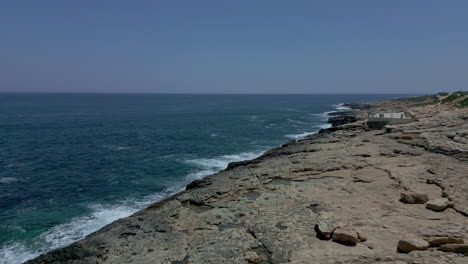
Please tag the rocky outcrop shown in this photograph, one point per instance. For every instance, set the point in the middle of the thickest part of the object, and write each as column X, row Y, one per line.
column 438, row 204
column 456, row 248
column 346, row 236
column 341, row 120
column 411, row 243
column 344, row 195
column 413, row 197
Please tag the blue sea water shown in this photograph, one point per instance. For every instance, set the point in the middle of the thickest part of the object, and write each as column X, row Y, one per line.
column 72, row 163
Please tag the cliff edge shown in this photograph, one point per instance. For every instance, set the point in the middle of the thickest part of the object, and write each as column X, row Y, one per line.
column 345, row 195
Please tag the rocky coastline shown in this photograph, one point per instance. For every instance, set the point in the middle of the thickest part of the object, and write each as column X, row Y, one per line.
column 346, row 194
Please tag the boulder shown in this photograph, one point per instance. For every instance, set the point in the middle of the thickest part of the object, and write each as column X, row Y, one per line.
column 437, row 241
column 346, row 236
column 438, row 205
column 456, row 248
column 413, row 197
column 411, row 243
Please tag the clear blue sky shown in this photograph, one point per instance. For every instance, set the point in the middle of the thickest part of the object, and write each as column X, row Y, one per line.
column 243, row 46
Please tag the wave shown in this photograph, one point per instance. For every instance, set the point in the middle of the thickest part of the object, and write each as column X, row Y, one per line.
column 77, row 228
column 305, row 134
column 292, row 121
column 6, row 180
column 116, row 148
column 324, row 117
column 210, row 166
column 102, row 215
column 341, row 107
column 299, row 136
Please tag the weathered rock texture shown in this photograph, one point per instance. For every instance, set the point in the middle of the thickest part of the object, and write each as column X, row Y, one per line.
column 283, row 206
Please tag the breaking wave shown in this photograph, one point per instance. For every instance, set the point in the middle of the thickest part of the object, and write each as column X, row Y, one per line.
column 210, row 166
column 102, row 215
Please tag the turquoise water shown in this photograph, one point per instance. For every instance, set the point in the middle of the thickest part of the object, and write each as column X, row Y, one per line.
column 72, row 163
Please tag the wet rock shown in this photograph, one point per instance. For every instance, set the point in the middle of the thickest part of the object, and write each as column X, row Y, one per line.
column 341, row 120
column 438, row 205
column 435, row 242
column 456, row 248
column 340, row 113
column 413, row 197
column 358, row 106
column 411, row 243
column 346, row 236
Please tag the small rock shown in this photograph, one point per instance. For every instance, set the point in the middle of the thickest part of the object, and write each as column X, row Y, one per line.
column 362, row 237
column 438, row 205
column 413, row 197
column 456, row 248
column 411, row 243
column 437, row 241
column 251, row 257
column 346, row 236
column 325, row 225
column 407, row 137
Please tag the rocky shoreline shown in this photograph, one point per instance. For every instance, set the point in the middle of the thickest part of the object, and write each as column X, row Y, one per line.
column 344, row 195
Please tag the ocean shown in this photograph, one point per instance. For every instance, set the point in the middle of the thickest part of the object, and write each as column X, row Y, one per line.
column 72, row 163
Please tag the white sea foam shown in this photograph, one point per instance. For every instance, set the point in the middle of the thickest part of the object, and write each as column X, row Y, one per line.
column 341, row 107
column 6, row 180
column 299, row 136
column 79, row 227
column 293, row 121
column 324, row 116
column 324, row 126
column 116, row 148
column 210, row 166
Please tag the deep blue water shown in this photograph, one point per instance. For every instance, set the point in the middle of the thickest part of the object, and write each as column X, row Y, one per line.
column 72, row 163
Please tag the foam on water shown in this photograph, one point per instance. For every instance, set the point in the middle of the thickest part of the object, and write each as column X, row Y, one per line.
column 102, row 215
column 77, row 228
column 341, row 107
column 299, row 136
column 324, row 117
column 210, row 166
column 116, row 148
column 6, row 180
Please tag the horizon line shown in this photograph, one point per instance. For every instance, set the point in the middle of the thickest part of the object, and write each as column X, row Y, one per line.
column 169, row 93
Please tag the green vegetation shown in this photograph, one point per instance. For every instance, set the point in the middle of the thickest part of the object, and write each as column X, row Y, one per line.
column 432, row 99
column 463, row 103
column 417, row 99
column 454, row 96
column 427, row 103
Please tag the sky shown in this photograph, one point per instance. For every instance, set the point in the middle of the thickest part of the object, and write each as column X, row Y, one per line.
column 242, row 46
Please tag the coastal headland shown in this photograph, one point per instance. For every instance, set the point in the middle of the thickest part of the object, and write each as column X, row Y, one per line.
column 347, row 194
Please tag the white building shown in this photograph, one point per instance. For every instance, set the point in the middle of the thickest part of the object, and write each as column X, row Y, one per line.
column 398, row 115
